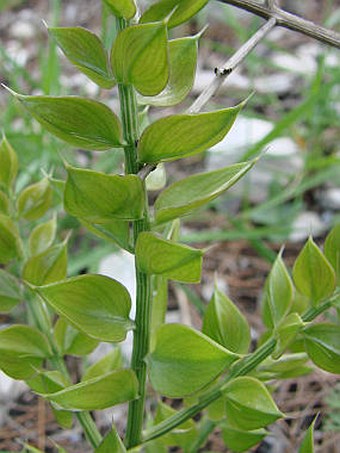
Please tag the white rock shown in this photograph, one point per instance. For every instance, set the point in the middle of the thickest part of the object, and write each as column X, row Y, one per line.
column 10, row 390
column 307, row 223
column 330, row 198
column 22, row 30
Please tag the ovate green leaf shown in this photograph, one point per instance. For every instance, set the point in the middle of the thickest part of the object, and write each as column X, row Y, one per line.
column 85, row 50
column 249, row 405
column 98, row 198
column 313, row 275
column 183, row 10
column 48, row 267
column 117, row 231
column 80, row 122
column 10, row 291
column 111, row 443
column 71, row 341
column 8, row 164
column 184, row 361
column 332, row 249
column 122, row 8
column 278, row 294
column 112, row 361
column 190, row 193
column 322, row 343
column 95, row 304
column 10, row 244
column 184, row 135
column 182, row 64
column 42, row 237
column 140, row 57
column 158, row 256
column 35, row 200
column 238, row 440
column 22, row 351
column 98, row 393
column 225, row 324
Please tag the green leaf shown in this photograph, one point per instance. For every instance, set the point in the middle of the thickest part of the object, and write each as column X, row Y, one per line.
column 147, row 64
column 184, row 135
column 182, row 64
column 95, row 304
column 71, row 341
column 4, row 203
column 182, row 435
column 42, row 236
column 225, row 324
column 10, row 244
column 80, row 122
column 98, row 393
column 111, row 443
column 8, row 164
column 108, row 363
column 190, row 193
column 35, row 200
column 48, row 267
column 332, row 249
column 182, row 11
column 122, row 8
column 184, row 361
column 47, row 382
column 286, row 333
column 85, row 50
column 116, row 231
column 159, row 305
column 238, row 440
column 288, row 366
column 313, row 275
column 98, row 198
column 10, row 291
column 307, row 445
column 22, row 351
column 278, row 294
column 249, row 405
column 158, row 256
column 322, row 343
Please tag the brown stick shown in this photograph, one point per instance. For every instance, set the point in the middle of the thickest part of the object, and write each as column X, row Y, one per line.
column 284, row 19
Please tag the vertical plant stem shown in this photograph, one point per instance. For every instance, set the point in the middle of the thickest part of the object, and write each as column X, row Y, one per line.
column 141, row 337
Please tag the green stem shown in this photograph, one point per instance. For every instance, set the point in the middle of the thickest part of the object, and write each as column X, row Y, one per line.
column 141, row 337
column 241, row 368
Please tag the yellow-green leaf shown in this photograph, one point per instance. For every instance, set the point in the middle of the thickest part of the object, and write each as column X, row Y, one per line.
column 99, row 393
column 225, row 324
column 313, row 276
column 8, row 164
column 332, row 249
column 110, row 362
column 10, row 291
column 72, row 341
column 42, row 236
column 111, row 443
column 190, row 193
column 184, row 361
column 238, row 440
column 182, row 11
column 140, row 57
column 4, row 203
column 98, row 198
column 86, row 51
column 35, row 200
column 78, row 121
column 249, row 405
column 184, row 135
column 159, row 256
column 122, row 8
column 95, row 304
column 182, row 64
column 322, row 343
column 10, row 244
column 48, row 267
